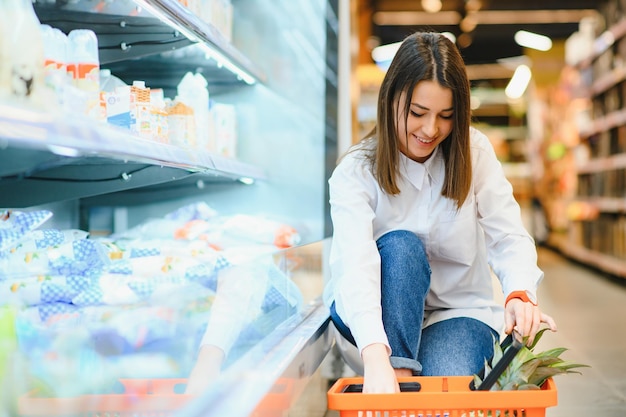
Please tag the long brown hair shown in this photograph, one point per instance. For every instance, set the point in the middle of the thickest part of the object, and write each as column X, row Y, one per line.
column 424, row 56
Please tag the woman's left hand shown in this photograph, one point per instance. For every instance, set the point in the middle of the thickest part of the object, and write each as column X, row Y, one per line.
column 206, row 370
column 526, row 318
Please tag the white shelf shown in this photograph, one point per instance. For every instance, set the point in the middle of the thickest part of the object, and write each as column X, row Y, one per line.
column 41, row 148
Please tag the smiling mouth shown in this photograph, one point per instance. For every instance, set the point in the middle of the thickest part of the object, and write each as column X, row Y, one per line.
column 425, row 141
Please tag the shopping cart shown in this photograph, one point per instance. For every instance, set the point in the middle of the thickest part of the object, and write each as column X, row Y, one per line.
column 447, row 396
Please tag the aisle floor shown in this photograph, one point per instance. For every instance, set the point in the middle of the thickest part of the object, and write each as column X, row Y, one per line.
column 590, row 311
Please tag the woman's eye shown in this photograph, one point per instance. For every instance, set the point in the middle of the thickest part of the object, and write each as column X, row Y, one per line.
column 447, row 117
column 416, row 114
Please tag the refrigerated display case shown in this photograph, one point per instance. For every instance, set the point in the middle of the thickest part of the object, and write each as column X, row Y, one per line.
column 111, row 314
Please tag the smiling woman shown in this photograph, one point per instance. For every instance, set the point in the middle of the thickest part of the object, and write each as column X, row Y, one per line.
column 421, row 210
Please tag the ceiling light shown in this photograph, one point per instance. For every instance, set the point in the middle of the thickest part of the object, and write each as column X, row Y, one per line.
column 519, row 82
column 533, row 40
column 468, row 23
column 464, row 40
column 450, row 36
column 473, row 5
column 431, row 6
column 385, row 52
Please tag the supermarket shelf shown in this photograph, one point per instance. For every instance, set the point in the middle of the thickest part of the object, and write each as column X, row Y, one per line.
column 166, row 76
column 608, row 80
column 120, row 37
column 182, row 186
column 609, row 121
column 160, row 28
column 605, row 263
column 604, row 42
column 610, row 163
column 606, row 204
column 46, row 158
column 194, row 28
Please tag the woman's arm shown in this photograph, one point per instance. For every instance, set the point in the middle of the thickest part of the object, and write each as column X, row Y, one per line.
column 511, row 250
column 355, row 269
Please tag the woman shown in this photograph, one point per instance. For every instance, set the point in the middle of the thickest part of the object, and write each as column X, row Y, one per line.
column 421, row 210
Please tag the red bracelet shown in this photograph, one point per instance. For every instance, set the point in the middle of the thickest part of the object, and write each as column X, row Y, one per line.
column 522, row 295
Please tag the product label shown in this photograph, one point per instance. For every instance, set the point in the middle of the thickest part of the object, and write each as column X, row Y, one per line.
column 86, row 76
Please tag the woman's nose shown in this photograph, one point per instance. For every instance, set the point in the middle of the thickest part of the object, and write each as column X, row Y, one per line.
column 430, row 127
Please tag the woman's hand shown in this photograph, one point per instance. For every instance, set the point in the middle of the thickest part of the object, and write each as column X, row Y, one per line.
column 378, row 374
column 206, row 370
column 526, row 318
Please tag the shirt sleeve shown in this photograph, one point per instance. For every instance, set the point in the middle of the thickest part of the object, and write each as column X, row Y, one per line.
column 511, row 250
column 354, row 257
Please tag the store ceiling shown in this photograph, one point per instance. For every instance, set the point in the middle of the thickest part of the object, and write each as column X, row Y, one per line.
column 496, row 22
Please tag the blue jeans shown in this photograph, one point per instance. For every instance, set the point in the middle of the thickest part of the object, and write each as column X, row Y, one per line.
column 456, row 346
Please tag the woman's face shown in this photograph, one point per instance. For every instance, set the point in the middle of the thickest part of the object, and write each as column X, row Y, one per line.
column 429, row 121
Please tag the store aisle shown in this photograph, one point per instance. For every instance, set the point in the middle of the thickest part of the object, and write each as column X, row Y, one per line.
column 590, row 310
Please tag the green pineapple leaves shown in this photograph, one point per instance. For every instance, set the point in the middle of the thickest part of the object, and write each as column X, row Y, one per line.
column 529, row 370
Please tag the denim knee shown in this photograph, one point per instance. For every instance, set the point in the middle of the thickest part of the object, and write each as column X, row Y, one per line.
column 402, row 243
column 456, row 346
column 403, row 257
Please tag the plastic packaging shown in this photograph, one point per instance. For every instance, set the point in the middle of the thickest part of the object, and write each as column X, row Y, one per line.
column 109, row 82
column 84, row 67
column 22, row 54
column 5, row 55
column 193, row 91
column 55, row 64
column 261, row 230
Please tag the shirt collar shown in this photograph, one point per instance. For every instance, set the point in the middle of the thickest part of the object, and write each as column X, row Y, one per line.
column 417, row 172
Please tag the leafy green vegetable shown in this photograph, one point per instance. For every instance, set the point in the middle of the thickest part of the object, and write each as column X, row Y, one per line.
column 529, row 370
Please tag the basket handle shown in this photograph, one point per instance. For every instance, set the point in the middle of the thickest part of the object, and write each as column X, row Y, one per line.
column 511, row 345
column 410, row 386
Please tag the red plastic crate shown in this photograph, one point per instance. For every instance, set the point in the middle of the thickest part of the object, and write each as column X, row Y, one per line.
column 441, row 397
column 141, row 398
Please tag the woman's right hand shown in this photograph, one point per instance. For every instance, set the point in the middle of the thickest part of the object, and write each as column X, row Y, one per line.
column 378, row 374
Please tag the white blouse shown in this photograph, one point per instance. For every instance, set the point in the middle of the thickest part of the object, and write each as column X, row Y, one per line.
column 462, row 246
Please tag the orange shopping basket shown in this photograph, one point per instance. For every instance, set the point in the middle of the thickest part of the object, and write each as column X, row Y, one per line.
column 447, row 396
column 439, row 397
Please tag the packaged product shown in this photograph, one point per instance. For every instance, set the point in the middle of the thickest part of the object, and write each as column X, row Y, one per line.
column 22, row 54
column 193, row 92
column 158, row 114
column 182, row 125
column 140, row 110
column 84, row 68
